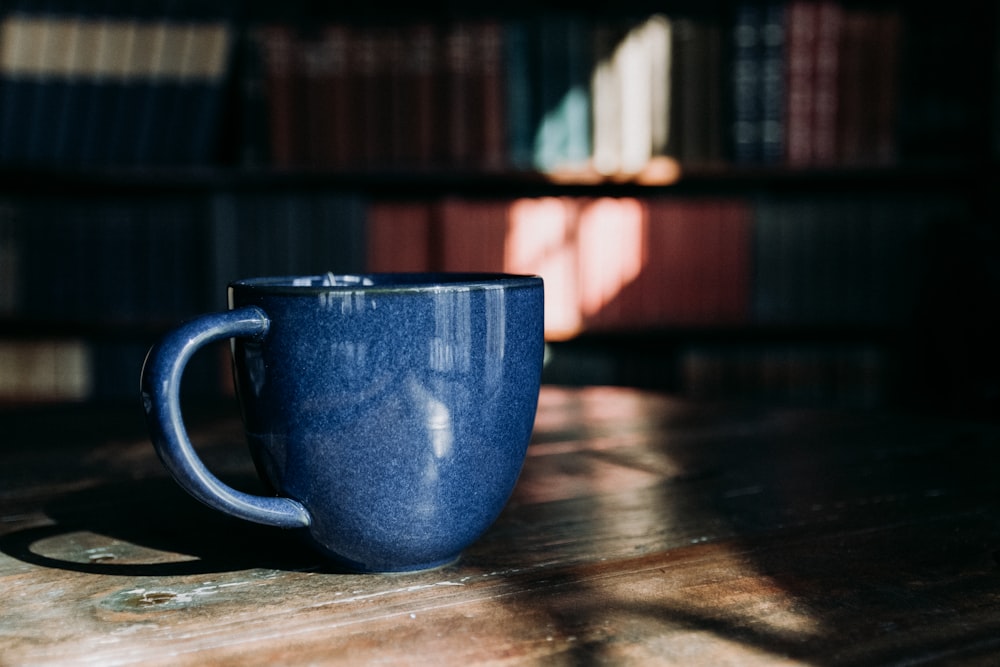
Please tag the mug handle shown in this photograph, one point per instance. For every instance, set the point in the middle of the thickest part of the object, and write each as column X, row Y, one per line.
column 160, row 386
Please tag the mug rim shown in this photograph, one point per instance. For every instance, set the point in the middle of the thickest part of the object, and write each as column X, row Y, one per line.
column 386, row 282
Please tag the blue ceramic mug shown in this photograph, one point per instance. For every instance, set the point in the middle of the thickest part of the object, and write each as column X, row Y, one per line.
column 389, row 413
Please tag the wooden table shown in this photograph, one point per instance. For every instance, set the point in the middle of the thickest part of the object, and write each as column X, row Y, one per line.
column 644, row 530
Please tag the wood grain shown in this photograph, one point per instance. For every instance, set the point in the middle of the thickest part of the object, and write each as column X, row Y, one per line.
column 644, row 530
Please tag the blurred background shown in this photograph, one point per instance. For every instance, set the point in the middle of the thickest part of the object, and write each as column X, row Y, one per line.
column 781, row 201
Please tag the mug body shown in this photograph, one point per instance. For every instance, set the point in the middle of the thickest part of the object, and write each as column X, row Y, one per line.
column 397, row 408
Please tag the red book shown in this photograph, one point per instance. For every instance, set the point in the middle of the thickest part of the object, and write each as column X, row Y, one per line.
column 851, row 91
column 699, row 259
column 661, row 293
column 735, row 261
column 367, row 97
column 335, row 103
column 460, row 116
column 421, row 93
column 492, row 105
column 800, row 103
column 399, row 236
column 313, row 63
column 278, row 44
column 829, row 20
column 611, row 237
column 473, row 234
column 540, row 240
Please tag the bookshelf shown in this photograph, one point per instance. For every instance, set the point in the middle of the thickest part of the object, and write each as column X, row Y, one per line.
column 790, row 200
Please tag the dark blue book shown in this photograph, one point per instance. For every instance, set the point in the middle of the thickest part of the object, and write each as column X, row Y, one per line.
column 138, row 114
column 52, row 30
column 24, row 80
column 102, row 129
column 202, row 89
column 562, row 137
column 773, row 64
column 81, row 31
column 189, row 90
column 745, row 79
column 79, row 145
column 520, row 67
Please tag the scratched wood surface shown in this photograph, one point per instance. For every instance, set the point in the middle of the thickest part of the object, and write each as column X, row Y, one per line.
column 644, row 530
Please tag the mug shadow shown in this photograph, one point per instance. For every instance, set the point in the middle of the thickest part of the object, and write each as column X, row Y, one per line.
column 153, row 528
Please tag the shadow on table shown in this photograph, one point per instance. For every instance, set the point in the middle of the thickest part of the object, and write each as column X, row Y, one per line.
column 152, row 528
column 828, row 538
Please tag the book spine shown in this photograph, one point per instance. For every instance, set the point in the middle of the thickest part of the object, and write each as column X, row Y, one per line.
column 490, row 76
column 462, row 111
column 886, row 91
column 278, row 44
column 399, row 236
column 536, row 244
column 193, row 136
column 519, row 66
column 333, row 114
column 254, row 150
column 746, row 79
column 472, row 234
column 606, row 100
column 851, row 89
column 314, row 62
column 800, row 100
column 423, row 72
column 632, row 74
column 138, row 52
column 826, row 104
column 773, row 69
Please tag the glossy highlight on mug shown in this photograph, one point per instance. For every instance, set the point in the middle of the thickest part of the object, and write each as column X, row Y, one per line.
column 390, row 413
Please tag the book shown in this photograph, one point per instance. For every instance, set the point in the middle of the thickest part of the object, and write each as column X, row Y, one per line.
column 854, row 93
column 472, row 234
column 940, row 90
column 747, row 82
column 324, row 105
column 91, row 128
column 699, row 261
column 422, row 101
column 314, row 58
column 132, row 58
column 698, row 123
column 773, row 70
column 191, row 136
column 634, row 72
column 826, row 103
column 521, row 115
column 490, row 82
column 46, row 371
column 612, row 255
column 78, row 85
column 399, row 236
column 800, row 113
column 886, row 91
column 539, row 241
column 253, row 134
column 462, row 115
column 605, row 93
column 58, row 29
column 10, row 258
column 23, row 61
column 562, row 136
column 278, row 46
